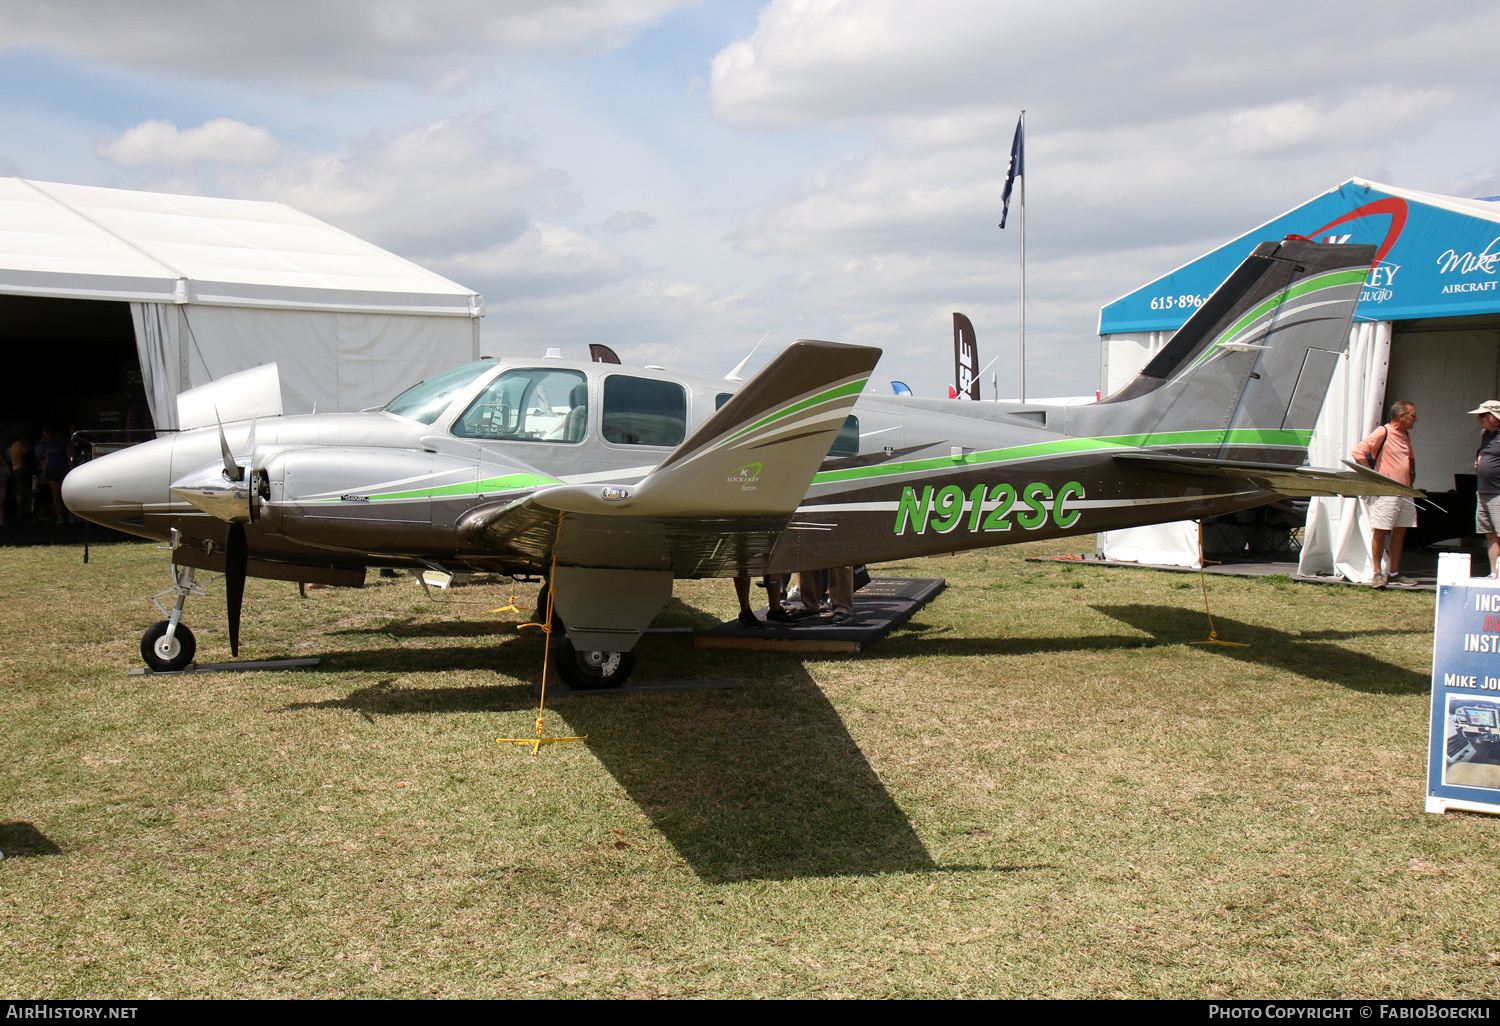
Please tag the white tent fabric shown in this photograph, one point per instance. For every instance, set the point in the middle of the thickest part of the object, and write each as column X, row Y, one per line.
column 156, row 341
column 336, row 361
column 1173, row 544
column 218, row 286
column 1337, row 537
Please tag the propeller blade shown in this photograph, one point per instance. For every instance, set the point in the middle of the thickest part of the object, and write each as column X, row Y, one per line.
column 236, row 559
column 250, row 462
column 232, row 471
column 250, row 441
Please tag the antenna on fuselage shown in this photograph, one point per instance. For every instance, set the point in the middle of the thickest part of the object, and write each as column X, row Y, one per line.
column 738, row 374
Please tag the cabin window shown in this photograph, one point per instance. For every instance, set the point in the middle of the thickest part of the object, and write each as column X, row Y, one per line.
column 643, row 411
column 721, row 399
column 847, row 443
column 531, row 405
column 425, row 401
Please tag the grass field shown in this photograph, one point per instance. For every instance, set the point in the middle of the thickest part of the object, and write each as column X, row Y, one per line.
column 1038, row 787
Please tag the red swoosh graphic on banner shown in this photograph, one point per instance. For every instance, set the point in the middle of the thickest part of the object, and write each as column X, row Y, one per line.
column 1391, row 205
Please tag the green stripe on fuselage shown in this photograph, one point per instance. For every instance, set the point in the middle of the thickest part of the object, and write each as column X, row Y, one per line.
column 508, row 483
column 1074, row 446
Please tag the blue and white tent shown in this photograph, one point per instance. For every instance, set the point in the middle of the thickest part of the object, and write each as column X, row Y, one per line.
column 1427, row 330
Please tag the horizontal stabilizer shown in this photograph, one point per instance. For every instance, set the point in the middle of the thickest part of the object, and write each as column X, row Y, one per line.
column 1292, row 481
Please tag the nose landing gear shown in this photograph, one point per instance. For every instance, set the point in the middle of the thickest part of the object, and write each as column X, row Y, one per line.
column 169, row 644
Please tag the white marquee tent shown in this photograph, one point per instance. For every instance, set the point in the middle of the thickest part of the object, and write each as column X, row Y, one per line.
column 217, row 286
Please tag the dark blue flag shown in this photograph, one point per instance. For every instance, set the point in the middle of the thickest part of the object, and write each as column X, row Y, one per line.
column 1017, row 170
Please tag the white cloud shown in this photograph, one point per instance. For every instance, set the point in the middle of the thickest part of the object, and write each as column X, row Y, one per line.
column 925, row 186
column 1155, row 132
column 158, row 143
column 327, row 44
column 453, row 185
column 629, row 221
column 820, row 63
column 544, row 260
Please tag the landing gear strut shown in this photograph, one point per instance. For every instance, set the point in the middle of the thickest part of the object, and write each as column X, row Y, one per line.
column 168, row 644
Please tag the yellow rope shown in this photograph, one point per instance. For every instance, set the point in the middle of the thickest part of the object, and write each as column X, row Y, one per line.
column 546, row 626
column 1213, row 635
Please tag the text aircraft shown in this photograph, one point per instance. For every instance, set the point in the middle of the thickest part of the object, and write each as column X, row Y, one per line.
column 611, row 482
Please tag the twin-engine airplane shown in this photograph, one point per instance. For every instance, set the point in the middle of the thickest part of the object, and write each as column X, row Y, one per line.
column 611, row 482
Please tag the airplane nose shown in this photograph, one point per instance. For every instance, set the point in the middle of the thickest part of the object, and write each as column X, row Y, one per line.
column 121, row 485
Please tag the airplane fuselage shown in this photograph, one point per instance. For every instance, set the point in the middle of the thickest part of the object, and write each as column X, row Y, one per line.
column 908, row 477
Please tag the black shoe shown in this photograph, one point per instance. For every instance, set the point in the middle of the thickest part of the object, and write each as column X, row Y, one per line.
column 839, row 618
column 749, row 621
column 780, row 616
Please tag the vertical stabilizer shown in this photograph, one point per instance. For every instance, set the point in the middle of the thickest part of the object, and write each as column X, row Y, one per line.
column 1245, row 377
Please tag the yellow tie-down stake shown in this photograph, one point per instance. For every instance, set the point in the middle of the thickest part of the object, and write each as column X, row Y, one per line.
column 1213, row 635
column 541, row 712
column 512, row 608
column 537, row 742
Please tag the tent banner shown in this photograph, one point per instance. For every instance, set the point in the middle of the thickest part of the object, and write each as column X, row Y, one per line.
column 1430, row 261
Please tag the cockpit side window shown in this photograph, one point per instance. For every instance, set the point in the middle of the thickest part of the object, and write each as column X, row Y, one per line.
column 643, row 411
column 425, row 401
column 535, row 404
column 847, row 442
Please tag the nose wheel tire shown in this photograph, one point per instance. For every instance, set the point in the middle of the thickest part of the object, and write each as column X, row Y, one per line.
column 589, row 671
column 161, row 654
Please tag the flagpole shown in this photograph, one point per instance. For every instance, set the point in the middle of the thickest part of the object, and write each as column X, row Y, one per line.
column 1022, row 184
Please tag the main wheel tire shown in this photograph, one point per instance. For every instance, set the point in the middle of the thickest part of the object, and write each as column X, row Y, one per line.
column 160, row 654
column 590, row 671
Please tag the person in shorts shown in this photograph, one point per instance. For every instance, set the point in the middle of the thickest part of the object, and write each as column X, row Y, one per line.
column 1387, row 450
column 1487, row 468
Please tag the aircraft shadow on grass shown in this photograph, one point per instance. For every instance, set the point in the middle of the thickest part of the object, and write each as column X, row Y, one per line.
column 761, row 782
column 755, row 783
column 418, row 627
column 1309, row 654
column 23, row 840
column 384, row 698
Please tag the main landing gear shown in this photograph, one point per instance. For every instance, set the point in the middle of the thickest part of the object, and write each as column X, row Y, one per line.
column 168, row 644
column 588, row 671
column 580, row 670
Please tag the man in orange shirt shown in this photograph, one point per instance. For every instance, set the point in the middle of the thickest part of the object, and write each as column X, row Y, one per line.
column 1387, row 451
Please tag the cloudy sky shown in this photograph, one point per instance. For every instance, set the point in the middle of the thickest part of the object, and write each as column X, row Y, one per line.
column 678, row 179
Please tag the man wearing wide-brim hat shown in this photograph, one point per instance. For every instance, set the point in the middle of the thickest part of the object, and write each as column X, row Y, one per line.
column 1487, row 467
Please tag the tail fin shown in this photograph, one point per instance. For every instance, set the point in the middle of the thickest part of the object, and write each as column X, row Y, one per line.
column 1245, row 377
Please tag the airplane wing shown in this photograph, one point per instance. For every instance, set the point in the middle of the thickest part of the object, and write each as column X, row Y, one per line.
column 1290, row 481
column 715, row 506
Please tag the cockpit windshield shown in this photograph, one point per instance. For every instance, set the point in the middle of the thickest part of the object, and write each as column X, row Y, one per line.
column 425, row 401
